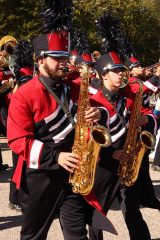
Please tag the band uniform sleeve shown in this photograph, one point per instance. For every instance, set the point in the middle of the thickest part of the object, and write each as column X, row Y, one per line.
column 21, row 139
column 104, row 120
column 153, row 84
column 152, row 125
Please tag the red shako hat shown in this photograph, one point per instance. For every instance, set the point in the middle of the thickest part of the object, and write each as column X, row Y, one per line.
column 55, row 41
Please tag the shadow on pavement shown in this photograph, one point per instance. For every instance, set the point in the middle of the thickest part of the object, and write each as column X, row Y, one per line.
column 5, row 175
column 10, row 222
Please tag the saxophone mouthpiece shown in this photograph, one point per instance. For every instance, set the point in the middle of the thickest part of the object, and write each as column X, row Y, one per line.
column 64, row 69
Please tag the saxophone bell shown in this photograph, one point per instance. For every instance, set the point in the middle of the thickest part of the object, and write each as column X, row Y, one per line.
column 147, row 139
column 101, row 135
column 82, row 179
column 7, row 46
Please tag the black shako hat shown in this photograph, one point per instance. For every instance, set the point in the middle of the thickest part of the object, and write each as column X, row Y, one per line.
column 55, row 41
column 108, row 62
column 132, row 62
column 108, row 30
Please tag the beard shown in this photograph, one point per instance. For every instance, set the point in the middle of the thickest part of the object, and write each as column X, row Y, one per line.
column 57, row 75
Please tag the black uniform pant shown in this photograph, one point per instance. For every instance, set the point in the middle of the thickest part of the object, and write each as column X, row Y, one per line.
column 137, row 227
column 42, row 199
column 130, row 199
column 13, row 194
column 73, row 217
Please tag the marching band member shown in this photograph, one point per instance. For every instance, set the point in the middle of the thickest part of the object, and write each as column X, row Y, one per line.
column 44, row 133
column 7, row 44
column 150, row 86
column 118, row 108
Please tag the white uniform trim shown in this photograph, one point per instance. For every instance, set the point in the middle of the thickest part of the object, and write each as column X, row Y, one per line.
column 155, row 124
column 52, row 116
column 35, row 154
column 92, row 90
column 115, row 116
column 118, row 135
column 150, row 86
column 60, row 136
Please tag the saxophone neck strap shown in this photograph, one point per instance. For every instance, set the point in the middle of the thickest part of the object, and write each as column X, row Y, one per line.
column 107, row 95
column 64, row 105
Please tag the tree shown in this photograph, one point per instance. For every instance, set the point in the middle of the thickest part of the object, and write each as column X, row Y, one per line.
column 140, row 21
column 19, row 18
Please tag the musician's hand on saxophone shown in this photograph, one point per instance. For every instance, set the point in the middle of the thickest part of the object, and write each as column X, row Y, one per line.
column 120, row 155
column 93, row 114
column 142, row 120
column 68, row 160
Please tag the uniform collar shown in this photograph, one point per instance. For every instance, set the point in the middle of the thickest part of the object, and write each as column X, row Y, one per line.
column 55, row 86
column 111, row 96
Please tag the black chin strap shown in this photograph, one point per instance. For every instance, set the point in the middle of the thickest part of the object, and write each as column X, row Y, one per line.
column 64, row 105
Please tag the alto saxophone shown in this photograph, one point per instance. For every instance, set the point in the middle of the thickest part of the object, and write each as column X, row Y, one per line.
column 136, row 144
column 88, row 140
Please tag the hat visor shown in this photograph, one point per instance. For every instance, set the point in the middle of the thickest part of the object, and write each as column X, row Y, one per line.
column 134, row 65
column 115, row 66
column 55, row 54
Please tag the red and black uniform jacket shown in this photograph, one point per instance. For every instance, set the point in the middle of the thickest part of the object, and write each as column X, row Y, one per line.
column 37, row 127
column 116, row 121
column 149, row 87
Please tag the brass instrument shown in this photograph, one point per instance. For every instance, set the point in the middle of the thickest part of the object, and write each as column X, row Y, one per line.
column 87, row 147
column 6, row 88
column 7, row 45
column 125, row 77
column 3, row 59
column 136, row 144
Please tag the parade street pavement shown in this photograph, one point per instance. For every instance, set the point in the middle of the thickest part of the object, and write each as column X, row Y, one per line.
column 10, row 221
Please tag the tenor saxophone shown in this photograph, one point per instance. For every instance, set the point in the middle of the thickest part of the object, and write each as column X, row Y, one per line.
column 88, row 140
column 136, row 144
